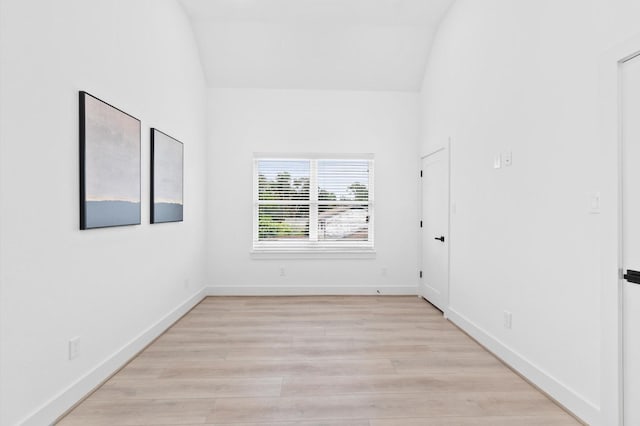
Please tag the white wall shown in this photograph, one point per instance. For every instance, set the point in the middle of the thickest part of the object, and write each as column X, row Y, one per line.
column 109, row 285
column 242, row 122
column 523, row 77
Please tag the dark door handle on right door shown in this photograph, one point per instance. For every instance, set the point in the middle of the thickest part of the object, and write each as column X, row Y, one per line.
column 441, row 238
column 632, row 276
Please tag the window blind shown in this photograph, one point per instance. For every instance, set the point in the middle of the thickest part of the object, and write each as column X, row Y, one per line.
column 313, row 203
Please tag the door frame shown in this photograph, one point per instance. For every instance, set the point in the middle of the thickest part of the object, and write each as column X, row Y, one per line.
column 611, row 339
column 447, row 148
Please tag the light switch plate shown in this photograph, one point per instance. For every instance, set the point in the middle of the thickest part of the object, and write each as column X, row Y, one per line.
column 497, row 161
column 507, row 158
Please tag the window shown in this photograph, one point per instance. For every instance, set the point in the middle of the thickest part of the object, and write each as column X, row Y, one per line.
column 313, row 204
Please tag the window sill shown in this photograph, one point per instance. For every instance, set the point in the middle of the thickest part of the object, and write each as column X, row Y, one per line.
column 326, row 253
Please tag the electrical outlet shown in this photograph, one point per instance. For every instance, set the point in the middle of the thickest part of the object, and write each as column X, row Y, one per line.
column 507, row 319
column 74, row 348
column 282, row 274
column 594, row 202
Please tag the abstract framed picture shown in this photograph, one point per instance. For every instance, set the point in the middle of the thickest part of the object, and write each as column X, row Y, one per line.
column 109, row 165
column 167, row 171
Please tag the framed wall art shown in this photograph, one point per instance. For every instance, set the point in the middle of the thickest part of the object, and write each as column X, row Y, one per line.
column 109, row 165
column 167, row 161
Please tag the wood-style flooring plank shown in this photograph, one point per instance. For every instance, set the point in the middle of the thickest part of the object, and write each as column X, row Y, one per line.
column 561, row 419
column 270, row 368
column 380, row 406
column 187, row 388
column 137, row 412
column 349, row 422
column 397, row 384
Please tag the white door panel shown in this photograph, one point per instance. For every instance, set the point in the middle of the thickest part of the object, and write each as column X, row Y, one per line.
column 434, row 285
column 631, row 238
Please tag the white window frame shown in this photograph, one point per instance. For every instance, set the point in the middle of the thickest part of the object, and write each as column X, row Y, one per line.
column 314, row 248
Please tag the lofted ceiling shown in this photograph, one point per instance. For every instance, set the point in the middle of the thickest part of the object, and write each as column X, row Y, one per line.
column 315, row 44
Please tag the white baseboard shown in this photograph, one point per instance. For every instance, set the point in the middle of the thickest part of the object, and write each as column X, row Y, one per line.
column 310, row 291
column 59, row 404
column 564, row 395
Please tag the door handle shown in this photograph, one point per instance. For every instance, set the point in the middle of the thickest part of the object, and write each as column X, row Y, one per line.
column 441, row 239
column 632, row 276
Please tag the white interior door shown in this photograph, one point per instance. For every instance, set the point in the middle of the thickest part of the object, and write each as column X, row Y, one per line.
column 631, row 238
column 434, row 285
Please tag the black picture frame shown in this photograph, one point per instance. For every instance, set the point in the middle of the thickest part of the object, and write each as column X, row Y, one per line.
column 167, row 178
column 110, row 165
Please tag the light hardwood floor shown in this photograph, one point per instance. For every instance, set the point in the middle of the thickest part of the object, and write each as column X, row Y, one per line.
column 332, row 361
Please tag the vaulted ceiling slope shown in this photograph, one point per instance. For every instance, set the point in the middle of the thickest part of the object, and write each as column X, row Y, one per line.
column 315, row 44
